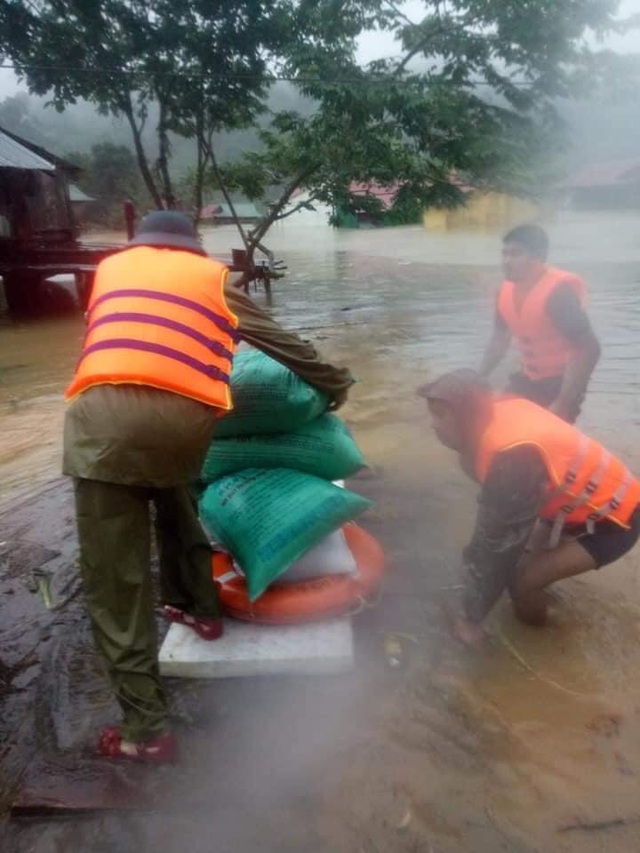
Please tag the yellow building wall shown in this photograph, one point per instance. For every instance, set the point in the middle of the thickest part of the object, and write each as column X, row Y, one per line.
column 484, row 210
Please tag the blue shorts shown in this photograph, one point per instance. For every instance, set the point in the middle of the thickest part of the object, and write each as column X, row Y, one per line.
column 609, row 541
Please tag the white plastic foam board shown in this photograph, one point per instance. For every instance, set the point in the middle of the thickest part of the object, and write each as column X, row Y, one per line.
column 247, row 649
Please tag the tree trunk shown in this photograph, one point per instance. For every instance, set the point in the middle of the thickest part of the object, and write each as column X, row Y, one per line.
column 225, row 193
column 163, row 159
column 201, row 165
column 143, row 163
column 261, row 229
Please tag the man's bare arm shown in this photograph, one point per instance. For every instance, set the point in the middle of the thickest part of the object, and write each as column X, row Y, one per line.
column 572, row 321
column 576, row 376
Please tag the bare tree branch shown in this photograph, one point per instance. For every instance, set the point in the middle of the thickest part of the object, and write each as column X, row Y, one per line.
column 395, row 8
column 301, row 206
column 225, row 193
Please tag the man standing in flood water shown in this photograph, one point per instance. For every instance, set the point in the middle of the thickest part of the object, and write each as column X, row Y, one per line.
column 153, row 378
column 542, row 308
column 553, row 502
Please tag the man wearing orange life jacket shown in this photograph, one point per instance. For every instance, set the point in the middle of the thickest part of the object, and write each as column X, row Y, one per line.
column 542, row 308
column 163, row 324
column 535, row 471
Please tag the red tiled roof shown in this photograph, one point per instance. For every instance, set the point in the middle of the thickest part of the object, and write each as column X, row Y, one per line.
column 210, row 210
column 385, row 195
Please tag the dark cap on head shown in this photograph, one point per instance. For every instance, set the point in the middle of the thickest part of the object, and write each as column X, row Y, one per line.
column 168, row 229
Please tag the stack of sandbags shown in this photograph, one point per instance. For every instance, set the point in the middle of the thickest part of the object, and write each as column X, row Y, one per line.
column 268, row 492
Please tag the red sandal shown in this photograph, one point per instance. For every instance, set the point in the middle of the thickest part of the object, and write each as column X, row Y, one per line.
column 162, row 749
column 207, row 629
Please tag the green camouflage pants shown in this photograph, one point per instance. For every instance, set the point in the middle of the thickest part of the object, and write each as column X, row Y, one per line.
column 114, row 533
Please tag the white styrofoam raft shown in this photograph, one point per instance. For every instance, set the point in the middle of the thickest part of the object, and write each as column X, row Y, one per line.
column 248, row 649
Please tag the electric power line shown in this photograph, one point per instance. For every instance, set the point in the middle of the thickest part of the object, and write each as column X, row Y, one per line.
column 269, row 78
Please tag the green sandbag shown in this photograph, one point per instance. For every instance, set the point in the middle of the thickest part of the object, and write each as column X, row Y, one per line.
column 269, row 519
column 324, row 448
column 268, row 398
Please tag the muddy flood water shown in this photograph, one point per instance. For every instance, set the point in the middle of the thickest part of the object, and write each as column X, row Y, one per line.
column 531, row 745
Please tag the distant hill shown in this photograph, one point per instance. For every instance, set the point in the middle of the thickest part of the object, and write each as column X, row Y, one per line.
column 80, row 127
column 600, row 130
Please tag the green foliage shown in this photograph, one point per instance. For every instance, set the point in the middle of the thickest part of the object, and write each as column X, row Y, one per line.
column 471, row 96
column 200, row 65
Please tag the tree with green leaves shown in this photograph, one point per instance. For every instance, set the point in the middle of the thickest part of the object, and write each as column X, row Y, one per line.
column 189, row 66
column 471, row 97
column 471, row 94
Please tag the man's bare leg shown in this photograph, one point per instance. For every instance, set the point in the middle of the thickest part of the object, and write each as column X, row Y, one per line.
column 537, row 571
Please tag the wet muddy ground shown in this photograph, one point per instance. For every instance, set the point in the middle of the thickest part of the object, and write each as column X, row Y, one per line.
column 533, row 745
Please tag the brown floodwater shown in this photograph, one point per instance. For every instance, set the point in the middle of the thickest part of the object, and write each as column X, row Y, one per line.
column 516, row 749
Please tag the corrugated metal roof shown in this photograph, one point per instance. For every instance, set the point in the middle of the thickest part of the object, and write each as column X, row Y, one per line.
column 16, row 156
column 210, row 210
column 386, row 195
column 243, row 209
column 76, row 194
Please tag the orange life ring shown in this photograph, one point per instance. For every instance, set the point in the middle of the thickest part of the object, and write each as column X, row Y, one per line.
column 309, row 600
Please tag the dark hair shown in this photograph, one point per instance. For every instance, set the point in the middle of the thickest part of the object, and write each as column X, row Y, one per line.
column 533, row 238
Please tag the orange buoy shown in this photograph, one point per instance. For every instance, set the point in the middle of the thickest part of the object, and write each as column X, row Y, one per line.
column 307, row 600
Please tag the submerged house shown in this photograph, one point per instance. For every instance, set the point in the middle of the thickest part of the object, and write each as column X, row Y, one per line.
column 34, row 193
column 487, row 210
column 80, row 203
column 613, row 185
column 38, row 234
column 483, row 209
column 377, row 207
column 219, row 213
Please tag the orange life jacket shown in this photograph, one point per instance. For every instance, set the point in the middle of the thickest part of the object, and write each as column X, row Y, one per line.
column 544, row 350
column 158, row 317
column 585, row 482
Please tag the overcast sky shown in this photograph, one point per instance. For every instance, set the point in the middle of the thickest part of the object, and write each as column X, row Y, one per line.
column 374, row 46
